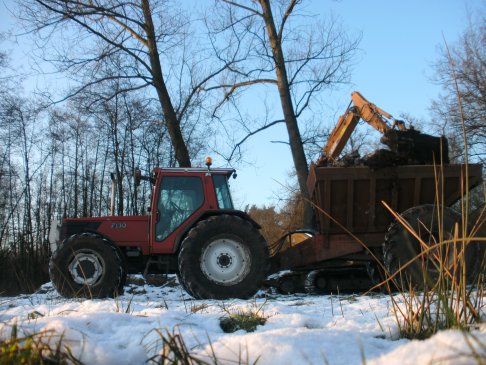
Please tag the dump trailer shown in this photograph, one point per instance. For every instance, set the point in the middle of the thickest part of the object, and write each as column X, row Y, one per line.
column 361, row 205
column 356, row 225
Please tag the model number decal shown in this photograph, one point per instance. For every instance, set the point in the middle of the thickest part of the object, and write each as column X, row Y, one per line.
column 118, row 225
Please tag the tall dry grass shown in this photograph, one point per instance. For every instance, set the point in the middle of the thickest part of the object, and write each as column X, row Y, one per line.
column 454, row 295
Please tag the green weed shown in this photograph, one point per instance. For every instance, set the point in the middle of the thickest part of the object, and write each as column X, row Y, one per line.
column 35, row 349
column 247, row 320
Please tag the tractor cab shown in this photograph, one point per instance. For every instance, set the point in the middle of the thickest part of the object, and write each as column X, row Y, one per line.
column 182, row 197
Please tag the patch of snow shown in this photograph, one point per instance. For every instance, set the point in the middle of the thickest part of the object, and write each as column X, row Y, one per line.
column 300, row 329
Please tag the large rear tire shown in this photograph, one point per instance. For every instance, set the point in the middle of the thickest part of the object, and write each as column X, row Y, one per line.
column 223, row 257
column 401, row 246
column 88, row 266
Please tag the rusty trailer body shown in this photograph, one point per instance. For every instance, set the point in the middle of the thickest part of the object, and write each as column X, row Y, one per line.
column 351, row 215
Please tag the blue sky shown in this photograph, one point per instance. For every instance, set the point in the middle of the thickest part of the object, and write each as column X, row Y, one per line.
column 399, row 45
column 400, row 41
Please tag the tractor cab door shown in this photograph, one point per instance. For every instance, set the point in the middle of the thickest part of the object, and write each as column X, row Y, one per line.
column 177, row 199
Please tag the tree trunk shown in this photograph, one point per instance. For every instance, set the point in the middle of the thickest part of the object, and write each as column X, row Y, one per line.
column 295, row 140
column 171, row 120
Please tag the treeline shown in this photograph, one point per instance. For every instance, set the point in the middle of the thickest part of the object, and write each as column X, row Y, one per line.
column 152, row 84
column 60, row 162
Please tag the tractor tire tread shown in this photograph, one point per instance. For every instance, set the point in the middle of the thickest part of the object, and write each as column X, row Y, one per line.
column 113, row 279
column 190, row 274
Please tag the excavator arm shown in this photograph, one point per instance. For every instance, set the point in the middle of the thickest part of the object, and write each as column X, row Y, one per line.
column 340, row 134
column 359, row 108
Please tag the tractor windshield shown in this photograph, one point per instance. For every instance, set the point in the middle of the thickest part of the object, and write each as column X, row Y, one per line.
column 222, row 192
column 179, row 197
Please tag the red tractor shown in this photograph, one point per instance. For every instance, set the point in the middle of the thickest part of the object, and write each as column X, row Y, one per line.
column 192, row 229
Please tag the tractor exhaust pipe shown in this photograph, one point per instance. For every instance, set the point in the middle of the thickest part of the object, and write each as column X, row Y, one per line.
column 113, row 182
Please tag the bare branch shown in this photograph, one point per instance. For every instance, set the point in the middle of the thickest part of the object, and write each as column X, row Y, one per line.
column 235, row 87
column 251, row 10
column 249, row 135
column 285, row 17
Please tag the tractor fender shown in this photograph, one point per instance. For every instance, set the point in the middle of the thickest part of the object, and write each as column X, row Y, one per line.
column 60, row 230
column 209, row 213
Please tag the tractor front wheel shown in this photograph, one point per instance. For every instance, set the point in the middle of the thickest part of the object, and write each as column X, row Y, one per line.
column 87, row 266
column 223, row 257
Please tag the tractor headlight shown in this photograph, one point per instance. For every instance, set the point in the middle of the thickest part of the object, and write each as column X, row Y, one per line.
column 55, row 235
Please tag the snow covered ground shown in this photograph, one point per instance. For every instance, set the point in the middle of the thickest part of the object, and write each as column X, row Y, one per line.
column 345, row 329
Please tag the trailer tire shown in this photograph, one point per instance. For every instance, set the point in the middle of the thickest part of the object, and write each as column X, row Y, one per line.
column 401, row 246
column 223, row 257
column 87, row 265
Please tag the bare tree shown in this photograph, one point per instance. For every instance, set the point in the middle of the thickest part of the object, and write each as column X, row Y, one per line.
column 4, row 158
column 299, row 60
column 461, row 71
column 147, row 40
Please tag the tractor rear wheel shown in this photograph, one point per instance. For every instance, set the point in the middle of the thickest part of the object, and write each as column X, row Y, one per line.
column 88, row 266
column 223, row 257
column 430, row 254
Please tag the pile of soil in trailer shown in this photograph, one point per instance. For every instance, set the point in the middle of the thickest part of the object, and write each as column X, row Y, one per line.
column 409, row 147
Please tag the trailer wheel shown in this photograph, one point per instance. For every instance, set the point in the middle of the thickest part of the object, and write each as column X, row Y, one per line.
column 88, row 266
column 223, row 257
column 401, row 246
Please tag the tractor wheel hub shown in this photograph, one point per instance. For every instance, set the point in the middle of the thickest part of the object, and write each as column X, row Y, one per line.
column 86, row 267
column 225, row 261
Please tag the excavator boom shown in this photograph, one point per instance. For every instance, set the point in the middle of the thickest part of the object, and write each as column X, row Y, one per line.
column 373, row 115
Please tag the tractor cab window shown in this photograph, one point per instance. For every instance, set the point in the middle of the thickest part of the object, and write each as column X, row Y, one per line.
column 179, row 197
column 222, row 192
